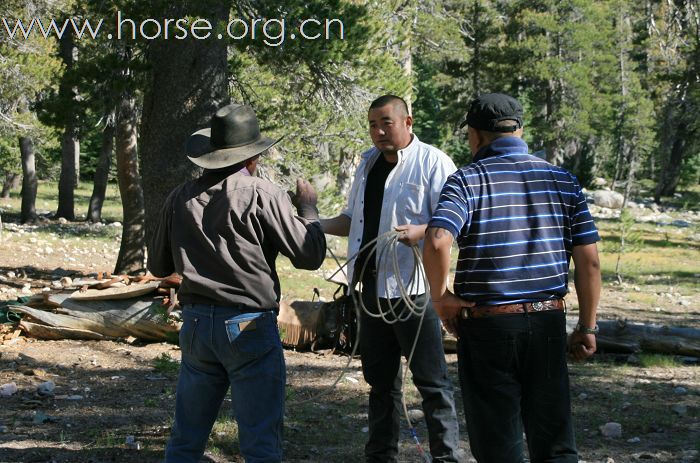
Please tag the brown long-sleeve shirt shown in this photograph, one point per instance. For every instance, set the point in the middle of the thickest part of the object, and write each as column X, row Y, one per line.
column 223, row 232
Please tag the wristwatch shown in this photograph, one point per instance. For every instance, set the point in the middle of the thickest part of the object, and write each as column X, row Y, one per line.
column 586, row 330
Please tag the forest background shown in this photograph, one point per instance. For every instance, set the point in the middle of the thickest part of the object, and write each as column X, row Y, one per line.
column 611, row 90
column 92, row 131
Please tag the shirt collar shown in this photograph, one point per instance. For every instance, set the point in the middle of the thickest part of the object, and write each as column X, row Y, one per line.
column 411, row 148
column 501, row 146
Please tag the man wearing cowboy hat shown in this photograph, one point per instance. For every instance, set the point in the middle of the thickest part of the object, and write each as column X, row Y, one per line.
column 222, row 232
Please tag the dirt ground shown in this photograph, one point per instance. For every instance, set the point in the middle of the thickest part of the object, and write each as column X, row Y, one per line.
column 107, row 393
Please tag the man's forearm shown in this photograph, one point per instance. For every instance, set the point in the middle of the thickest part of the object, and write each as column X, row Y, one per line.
column 587, row 281
column 588, row 291
column 436, row 260
column 338, row 226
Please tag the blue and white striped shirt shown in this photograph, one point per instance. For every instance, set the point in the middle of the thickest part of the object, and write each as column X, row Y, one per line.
column 516, row 219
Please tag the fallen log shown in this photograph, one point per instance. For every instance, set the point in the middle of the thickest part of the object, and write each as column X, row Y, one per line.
column 38, row 331
column 623, row 337
column 142, row 318
column 145, row 318
column 112, row 293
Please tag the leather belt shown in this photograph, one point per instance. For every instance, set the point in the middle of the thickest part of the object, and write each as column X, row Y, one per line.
column 481, row 311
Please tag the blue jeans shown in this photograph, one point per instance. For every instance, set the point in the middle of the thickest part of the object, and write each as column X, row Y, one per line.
column 514, row 376
column 224, row 346
column 381, row 347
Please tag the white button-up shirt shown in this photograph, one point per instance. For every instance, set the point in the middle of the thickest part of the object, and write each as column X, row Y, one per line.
column 411, row 193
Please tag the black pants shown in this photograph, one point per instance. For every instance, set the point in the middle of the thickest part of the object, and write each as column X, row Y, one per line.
column 381, row 347
column 513, row 373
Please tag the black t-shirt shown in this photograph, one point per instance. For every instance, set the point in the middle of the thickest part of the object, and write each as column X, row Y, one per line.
column 374, row 195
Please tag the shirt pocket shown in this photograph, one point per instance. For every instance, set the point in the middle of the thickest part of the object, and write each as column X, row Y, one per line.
column 410, row 203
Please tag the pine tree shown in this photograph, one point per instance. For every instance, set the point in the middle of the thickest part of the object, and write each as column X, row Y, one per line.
column 27, row 68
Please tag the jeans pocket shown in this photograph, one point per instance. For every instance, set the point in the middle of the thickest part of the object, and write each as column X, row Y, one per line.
column 492, row 360
column 253, row 334
column 556, row 356
column 188, row 332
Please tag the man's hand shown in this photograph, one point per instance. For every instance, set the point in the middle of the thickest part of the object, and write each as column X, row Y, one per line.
column 581, row 345
column 448, row 308
column 305, row 194
column 410, row 235
column 305, row 200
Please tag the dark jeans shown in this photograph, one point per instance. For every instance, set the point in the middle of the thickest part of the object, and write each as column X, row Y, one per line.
column 513, row 373
column 381, row 347
column 224, row 346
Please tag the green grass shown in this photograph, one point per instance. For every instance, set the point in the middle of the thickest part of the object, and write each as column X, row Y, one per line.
column 165, row 364
column 690, row 197
column 299, row 284
column 658, row 361
column 150, row 402
column 47, row 200
column 667, row 254
column 643, row 298
column 223, row 440
column 107, row 439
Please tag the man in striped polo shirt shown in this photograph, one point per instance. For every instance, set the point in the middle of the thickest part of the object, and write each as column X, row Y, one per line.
column 517, row 220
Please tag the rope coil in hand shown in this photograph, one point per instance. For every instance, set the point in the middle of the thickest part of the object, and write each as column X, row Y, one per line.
column 385, row 246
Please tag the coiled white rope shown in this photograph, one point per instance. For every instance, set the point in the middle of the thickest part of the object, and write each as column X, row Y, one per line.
column 385, row 246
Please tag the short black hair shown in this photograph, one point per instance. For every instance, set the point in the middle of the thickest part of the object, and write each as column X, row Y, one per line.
column 389, row 99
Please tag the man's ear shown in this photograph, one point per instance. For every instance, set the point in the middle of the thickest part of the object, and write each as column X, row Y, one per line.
column 475, row 139
column 409, row 123
column 252, row 164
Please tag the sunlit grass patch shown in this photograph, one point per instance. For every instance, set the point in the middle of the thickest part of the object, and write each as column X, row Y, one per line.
column 223, row 440
column 165, row 364
column 47, row 200
column 658, row 361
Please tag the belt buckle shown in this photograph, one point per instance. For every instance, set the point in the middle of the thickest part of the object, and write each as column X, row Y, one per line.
column 464, row 313
column 538, row 306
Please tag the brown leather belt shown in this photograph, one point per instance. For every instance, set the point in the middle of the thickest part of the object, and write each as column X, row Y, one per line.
column 481, row 311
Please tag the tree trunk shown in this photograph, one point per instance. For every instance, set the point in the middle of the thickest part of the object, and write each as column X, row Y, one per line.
column 76, row 163
column 671, row 174
column 176, row 108
column 70, row 146
column 11, row 183
column 99, row 189
column 623, row 149
column 348, row 162
column 132, row 250
column 476, row 50
column 67, row 181
column 406, row 60
column 29, row 180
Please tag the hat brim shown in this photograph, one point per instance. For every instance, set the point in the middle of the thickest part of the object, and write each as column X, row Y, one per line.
column 200, row 151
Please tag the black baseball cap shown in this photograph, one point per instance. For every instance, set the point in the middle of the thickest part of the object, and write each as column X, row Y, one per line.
column 487, row 110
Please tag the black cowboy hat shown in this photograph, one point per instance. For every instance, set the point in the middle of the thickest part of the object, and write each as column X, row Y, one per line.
column 234, row 136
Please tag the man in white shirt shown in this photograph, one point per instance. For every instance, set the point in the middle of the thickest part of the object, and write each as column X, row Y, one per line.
column 396, row 187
